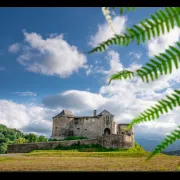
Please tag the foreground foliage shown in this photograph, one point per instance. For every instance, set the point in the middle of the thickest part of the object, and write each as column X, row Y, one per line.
column 162, row 21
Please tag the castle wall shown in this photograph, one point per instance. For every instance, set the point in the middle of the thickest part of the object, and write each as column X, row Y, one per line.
column 116, row 141
column 28, row 147
column 130, row 132
column 88, row 127
column 108, row 141
column 61, row 127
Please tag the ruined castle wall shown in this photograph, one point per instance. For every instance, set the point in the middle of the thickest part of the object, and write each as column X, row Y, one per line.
column 28, row 147
column 108, row 141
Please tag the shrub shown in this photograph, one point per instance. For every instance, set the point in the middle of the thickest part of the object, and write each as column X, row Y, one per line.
column 74, row 138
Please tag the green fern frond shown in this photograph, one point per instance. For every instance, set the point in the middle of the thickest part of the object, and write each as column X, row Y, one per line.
column 170, row 139
column 162, row 63
column 149, row 28
column 122, row 74
column 163, row 106
column 122, row 9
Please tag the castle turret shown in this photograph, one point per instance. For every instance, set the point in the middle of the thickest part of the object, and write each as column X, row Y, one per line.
column 121, row 130
column 62, row 125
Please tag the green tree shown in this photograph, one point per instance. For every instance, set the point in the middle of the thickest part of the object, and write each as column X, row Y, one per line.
column 3, row 148
column 165, row 19
column 20, row 141
column 1, row 136
column 42, row 139
column 31, row 137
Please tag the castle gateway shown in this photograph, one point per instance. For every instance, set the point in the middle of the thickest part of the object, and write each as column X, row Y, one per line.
column 66, row 124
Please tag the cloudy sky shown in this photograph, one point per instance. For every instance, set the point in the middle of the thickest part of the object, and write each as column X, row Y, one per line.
column 44, row 68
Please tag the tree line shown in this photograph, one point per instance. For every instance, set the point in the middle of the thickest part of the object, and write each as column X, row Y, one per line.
column 14, row 136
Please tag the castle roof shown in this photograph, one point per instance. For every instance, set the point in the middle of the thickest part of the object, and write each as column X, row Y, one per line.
column 105, row 112
column 65, row 113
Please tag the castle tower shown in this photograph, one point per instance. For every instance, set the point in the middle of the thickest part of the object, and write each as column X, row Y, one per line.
column 108, row 122
column 121, row 130
column 62, row 125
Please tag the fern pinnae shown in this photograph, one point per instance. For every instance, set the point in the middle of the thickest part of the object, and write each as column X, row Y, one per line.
column 160, row 20
column 122, row 74
column 122, row 9
column 162, row 62
column 169, row 12
column 158, row 65
column 163, row 105
column 169, row 139
column 168, row 60
column 157, row 109
column 172, row 100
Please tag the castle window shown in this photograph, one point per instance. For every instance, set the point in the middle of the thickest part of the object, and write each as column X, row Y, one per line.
column 78, row 128
column 56, row 127
column 85, row 129
column 122, row 132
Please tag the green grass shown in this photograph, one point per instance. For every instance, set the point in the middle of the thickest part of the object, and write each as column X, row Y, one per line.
column 2, row 159
column 98, row 148
column 63, row 153
column 93, row 150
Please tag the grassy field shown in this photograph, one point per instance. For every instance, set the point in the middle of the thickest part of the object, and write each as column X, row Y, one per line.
column 73, row 160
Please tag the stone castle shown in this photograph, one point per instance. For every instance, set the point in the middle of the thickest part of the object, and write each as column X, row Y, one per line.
column 99, row 129
column 66, row 124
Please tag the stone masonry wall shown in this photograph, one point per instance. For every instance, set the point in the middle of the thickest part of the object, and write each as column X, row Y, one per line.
column 28, row 147
column 108, row 141
column 115, row 141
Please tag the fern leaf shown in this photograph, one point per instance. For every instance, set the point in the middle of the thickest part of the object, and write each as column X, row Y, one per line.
column 163, row 62
column 151, row 28
column 122, row 75
column 164, row 104
column 170, row 139
column 122, row 9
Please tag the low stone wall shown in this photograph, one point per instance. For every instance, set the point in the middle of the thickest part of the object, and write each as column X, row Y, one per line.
column 115, row 141
column 108, row 141
column 28, row 147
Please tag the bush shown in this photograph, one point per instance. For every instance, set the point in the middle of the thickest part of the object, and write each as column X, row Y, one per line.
column 3, row 148
column 42, row 139
column 20, row 141
column 52, row 139
column 74, row 138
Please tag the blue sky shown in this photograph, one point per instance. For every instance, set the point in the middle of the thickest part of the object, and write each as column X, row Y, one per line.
column 44, row 68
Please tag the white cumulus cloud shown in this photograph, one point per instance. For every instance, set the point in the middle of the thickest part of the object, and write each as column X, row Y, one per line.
column 159, row 44
column 105, row 32
column 28, row 118
column 50, row 56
